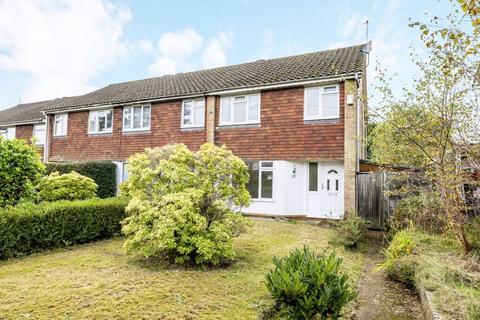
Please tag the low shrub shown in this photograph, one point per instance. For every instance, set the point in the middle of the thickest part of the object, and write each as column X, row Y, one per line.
column 422, row 210
column 351, row 231
column 104, row 173
column 402, row 245
column 403, row 270
column 29, row 228
column 68, row 186
column 305, row 285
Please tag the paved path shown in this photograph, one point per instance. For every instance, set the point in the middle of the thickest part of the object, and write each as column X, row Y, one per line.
column 381, row 298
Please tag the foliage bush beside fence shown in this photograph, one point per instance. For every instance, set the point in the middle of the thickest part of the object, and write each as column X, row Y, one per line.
column 104, row 173
column 28, row 228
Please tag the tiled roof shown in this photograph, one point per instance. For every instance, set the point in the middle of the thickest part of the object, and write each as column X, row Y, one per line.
column 309, row 66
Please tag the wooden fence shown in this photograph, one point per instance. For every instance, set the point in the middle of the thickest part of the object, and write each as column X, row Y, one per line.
column 373, row 203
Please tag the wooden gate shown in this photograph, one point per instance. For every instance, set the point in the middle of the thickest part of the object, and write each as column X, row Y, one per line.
column 373, row 202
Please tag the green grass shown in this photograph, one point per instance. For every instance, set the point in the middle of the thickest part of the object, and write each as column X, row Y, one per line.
column 453, row 279
column 99, row 281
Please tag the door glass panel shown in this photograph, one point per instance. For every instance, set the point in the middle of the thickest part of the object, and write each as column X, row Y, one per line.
column 313, row 176
column 336, row 185
column 328, row 184
column 253, row 170
column 267, row 184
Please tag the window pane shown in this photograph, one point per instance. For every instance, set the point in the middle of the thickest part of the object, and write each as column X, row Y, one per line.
column 313, row 176
column 267, row 164
column 109, row 115
column 187, row 113
column 330, row 105
column 267, row 184
column 312, row 96
column 39, row 134
column 199, row 116
column 254, row 107
column 332, row 89
column 127, row 118
column 146, row 117
column 253, row 182
column 93, row 121
column 225, row 110
column 239, row 112
column 137, row 117
column 101, row 121
column 125, row 172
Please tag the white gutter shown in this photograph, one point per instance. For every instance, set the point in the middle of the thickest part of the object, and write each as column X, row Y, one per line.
column 212, row 93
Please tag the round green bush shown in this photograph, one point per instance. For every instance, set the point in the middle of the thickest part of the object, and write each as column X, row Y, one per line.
column 185, row 205
column 20, row 170
column 305, row 285
column 68, row 186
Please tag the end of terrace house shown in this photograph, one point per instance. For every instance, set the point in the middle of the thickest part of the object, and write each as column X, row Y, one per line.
column 298, row 122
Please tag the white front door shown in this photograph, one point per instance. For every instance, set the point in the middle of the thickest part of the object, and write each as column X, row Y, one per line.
column 325, row 190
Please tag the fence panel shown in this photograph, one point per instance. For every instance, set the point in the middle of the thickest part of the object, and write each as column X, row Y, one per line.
column 372, row 200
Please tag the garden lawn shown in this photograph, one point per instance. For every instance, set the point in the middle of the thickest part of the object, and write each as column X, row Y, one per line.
column 453, row 280
column 98, row 280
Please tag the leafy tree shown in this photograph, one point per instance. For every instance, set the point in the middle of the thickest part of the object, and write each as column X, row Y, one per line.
column 68, row 186
column 185, row 204
column 434, row 124
column 20, row 170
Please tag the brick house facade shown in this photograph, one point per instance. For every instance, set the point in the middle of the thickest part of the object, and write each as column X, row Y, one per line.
column 298, row 122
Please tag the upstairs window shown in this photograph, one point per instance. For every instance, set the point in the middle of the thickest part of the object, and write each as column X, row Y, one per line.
column 243, row 109
column 136, row 118
column 322, row 102
column 8, row 133
column 193, row 113
column 260, row 184
column 60, row 124
column 100, row 121
column 39, row 134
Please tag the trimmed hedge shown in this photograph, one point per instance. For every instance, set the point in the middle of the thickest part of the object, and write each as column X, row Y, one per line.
column 104, row 173
column 29, row 228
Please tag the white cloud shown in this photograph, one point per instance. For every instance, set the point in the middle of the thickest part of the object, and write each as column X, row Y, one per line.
column 214, row 54
column 146, row 46
column 61, row 44
column 179, row 51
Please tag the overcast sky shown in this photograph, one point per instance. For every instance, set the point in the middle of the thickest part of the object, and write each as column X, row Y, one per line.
column 57, row 48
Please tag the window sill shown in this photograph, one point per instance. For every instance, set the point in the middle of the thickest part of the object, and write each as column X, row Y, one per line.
column 100, row 134
column 60, row 136
column 320, row 120
column 233, row 126
column 133, row 132
column 187, row 129
column 263, row 200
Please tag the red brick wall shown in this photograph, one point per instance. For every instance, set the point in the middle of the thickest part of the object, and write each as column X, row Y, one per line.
column 282, row 133
column 164, row 129
column 24, row 132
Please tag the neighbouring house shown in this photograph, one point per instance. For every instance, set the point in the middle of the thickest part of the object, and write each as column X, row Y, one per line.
column 298, row 122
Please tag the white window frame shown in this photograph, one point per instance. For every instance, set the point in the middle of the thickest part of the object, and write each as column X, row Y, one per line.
column 320, row 115
column 193, row 125
column 142, row 128
column 260, row 170
column 38, row 140
column 230, row 122
column 64, row 121
column 90, row 131
column 8, row 133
